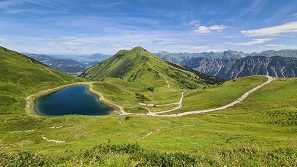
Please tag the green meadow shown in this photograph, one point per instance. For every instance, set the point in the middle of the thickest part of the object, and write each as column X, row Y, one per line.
column 260, row 131
column 254, row 132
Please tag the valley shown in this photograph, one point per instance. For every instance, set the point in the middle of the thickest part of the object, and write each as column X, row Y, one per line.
column 242, row 121
column 148, row 83
column 73, row 65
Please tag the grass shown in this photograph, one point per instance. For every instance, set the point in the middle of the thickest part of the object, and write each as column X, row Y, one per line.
column 134, row 155
column 118, row 91
column 245, row 123
column 163, row 95
column 136, row 110
column 220, row 95
column 260, row 131
column 22, row 76
column 146, row 70
column 123, row 93
column 212, row 139
column 162, row 108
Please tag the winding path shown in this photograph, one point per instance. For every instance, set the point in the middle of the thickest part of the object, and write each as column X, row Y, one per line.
column 30, row 101
column 180, row 105
column 55, row 74
column 101, row 98
column 270, row 79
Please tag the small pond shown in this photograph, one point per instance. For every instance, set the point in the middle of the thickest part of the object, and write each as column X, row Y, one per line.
column 71, row 100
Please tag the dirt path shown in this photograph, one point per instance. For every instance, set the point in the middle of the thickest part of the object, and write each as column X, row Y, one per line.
column 55, row 74
column 161, row 105
column 54, row 141
column 245, row 95
column 145, row 136
column 180, row 105
column 168, row 85
column 30, row 101
column 101, row 98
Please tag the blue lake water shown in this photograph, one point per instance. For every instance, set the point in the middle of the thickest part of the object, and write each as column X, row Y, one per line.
column 71, row 100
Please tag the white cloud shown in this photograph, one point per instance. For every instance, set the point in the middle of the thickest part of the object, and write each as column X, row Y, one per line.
column 6, row 4
column 276, row 45
column 108, row 5
column 75, row 50
column 253, row 9
column 279, row 46
column 272, row 31
column 253, row 42
column 215, row 28
column 295, row 14
column 178, row 48
column 195, row 23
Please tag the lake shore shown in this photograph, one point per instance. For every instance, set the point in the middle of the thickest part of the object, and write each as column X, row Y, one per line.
column 30, row 100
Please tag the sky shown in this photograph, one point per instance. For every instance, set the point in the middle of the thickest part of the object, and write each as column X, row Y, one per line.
column 84, row 27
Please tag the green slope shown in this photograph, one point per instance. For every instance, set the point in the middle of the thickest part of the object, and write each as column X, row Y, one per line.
column 260, row 131
column 22, row 76
column 143, row 68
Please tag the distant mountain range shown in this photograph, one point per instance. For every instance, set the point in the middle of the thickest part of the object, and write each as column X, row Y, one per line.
column 271, row 53
column 284, row 67
column 226, row 65
column 74, row 66
column 232, row 64
column 89, row 61
column 180, row 57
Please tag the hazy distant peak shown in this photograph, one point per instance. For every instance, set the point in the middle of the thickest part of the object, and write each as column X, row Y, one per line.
column 163, row 52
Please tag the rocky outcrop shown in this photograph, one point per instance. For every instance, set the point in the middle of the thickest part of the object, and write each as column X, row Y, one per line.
column 180, row 57
column 284, row 67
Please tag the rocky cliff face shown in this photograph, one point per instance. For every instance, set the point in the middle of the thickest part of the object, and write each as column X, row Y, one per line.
column 180, row 57
column 233, row 64
column 271, row 53
column 285, row 67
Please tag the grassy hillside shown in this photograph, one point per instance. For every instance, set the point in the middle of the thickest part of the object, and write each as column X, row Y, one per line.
column 212, row 97
column 22, row 76
column 141, row 67
column 260, row 131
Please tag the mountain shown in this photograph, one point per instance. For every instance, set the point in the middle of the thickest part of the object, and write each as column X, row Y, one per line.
column 230, row 54
column 98, row 56
column 285, row 67
column 180, row 57
column 91, row 60
column 233, row 64
column 62, row 64
column 143, row 68
column 174, row 57
column 22, row 76
column 73, row 66
column 271, row 53
column 30, row 140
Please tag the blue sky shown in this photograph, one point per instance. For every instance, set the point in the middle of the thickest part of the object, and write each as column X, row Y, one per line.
column 83, row 27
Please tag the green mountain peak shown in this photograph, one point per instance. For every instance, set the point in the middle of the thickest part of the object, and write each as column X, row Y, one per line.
column 142, row 67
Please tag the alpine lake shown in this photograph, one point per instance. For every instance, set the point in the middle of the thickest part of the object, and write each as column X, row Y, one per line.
column 71, row 100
